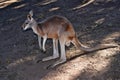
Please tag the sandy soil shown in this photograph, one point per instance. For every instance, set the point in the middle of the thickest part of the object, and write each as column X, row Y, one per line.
column 95, row 24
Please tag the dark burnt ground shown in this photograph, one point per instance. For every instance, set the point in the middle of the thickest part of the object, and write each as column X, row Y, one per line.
column 94, row 24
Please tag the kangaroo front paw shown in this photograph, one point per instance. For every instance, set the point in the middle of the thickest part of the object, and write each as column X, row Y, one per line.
column 43, row 51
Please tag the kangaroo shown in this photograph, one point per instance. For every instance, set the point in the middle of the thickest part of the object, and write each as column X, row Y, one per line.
column 57, row 28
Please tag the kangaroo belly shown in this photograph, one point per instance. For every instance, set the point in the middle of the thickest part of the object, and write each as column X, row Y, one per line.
column 53, row 36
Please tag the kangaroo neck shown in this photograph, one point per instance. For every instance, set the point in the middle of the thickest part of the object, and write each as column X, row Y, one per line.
column 37, row 29
column 34, row 27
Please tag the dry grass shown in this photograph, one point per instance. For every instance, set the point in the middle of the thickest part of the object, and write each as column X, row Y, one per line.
column 5, row 3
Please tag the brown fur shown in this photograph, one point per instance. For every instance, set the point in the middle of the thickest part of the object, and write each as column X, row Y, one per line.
column 56, row 26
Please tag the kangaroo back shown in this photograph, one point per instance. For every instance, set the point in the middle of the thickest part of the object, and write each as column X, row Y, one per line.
column 56, row 26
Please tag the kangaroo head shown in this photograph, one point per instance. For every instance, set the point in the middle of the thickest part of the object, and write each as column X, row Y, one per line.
column 29, row 22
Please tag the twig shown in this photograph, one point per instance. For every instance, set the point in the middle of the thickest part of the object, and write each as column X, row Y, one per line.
column 89, row 2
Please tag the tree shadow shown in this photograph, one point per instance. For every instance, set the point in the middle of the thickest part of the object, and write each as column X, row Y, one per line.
column 93, row 23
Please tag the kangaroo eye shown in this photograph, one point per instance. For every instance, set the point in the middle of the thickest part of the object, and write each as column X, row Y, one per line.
column 26, row 23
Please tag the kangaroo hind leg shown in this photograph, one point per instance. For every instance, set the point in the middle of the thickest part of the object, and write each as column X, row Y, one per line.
column 55, row 51
column 63, row 55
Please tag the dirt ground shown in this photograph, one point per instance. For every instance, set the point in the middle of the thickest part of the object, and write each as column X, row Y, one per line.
column 97, row 23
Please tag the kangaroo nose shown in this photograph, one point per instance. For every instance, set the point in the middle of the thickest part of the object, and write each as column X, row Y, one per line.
column 23, row 26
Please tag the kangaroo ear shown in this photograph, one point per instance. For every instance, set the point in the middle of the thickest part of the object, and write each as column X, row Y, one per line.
column 31, row 13
column 29, row 16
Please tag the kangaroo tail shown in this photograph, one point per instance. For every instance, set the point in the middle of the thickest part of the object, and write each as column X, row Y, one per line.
column 87, row 49
column 99, row 47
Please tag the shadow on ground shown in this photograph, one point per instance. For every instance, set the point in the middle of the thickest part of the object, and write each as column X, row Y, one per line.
column 94, row 24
